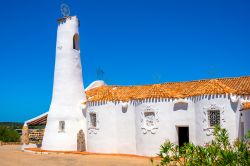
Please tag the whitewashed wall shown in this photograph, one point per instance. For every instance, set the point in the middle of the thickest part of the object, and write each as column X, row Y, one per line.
column 122, row 131
column 148, row 142
column 227, row 116
column 125, row 127
column 115, row 131
column 246, row 120
column 68, row 92
column 245, row 117
column 103, row 138
column 67, row 140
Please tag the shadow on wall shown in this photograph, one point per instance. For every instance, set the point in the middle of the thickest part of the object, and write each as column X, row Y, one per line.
column 124, row 109
column 234, row 105
column 181, row 106
column 240, row 127
column 84, row 113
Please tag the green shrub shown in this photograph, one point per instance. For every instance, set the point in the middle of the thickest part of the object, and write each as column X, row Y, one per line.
column 218, row 152
column 8, row 134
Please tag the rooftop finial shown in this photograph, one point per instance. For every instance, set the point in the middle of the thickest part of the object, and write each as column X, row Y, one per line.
column 65, row 10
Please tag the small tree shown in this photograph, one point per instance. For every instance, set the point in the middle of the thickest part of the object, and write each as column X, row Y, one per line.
column 8, row 135
column 218, row 152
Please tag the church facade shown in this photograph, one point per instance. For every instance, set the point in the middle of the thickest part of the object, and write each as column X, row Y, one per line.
column 135, row 119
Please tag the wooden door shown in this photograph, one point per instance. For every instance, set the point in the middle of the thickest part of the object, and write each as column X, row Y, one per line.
column 81, row 141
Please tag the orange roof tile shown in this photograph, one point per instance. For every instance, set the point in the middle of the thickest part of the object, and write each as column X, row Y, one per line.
column 154, row 91
column 246, row 106
column 211, row 87
column 238, row 85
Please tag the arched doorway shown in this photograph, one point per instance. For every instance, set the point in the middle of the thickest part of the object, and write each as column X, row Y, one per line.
column 81, row 141
column 76, row 44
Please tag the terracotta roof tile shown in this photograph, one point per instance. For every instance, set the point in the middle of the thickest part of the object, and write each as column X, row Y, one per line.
column 246, row 106
column 211, row 87
column 239, row 86
column 154, row 91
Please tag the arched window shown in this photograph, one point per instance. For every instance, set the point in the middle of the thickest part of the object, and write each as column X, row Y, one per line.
column 76, row 44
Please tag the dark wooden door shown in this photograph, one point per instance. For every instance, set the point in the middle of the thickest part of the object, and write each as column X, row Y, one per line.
column 183, row 134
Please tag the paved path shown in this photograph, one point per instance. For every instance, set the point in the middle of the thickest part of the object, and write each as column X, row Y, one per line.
column 11, row 155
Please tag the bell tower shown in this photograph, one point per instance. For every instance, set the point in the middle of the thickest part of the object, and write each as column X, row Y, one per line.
column 66, row 117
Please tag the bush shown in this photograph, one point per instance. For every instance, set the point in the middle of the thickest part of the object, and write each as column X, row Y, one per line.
column 218, row 152
column 8, row 135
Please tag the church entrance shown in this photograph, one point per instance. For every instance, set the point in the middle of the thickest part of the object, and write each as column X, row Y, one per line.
column 81, row 141
column 183, row 135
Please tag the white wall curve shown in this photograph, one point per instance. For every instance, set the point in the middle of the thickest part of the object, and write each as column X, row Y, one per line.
column 68, row 92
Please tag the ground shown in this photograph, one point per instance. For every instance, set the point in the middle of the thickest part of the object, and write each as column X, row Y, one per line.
column 11, row 155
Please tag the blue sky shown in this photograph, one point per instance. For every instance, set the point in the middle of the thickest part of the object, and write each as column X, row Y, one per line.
column 132, row 41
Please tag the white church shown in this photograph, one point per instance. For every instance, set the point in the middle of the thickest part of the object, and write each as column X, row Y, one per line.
column 134, row 119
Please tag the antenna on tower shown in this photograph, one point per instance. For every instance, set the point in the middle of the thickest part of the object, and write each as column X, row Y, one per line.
column 65, row 10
